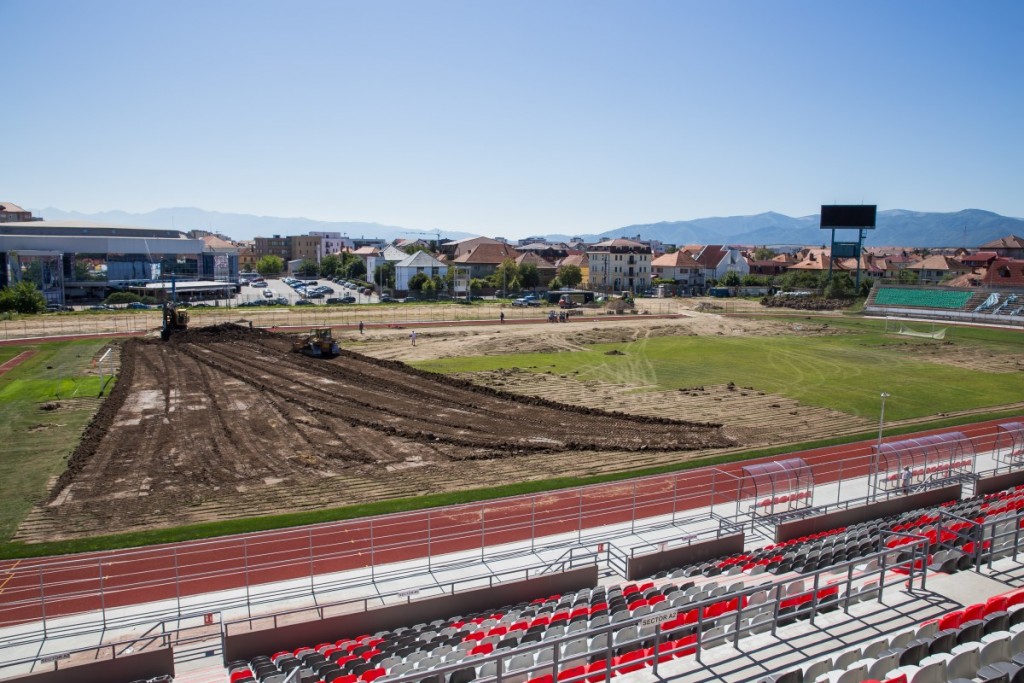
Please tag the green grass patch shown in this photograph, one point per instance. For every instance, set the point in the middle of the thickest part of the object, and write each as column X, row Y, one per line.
column 36, row 442
column 844, row 371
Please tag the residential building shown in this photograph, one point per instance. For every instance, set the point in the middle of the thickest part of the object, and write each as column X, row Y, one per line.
column 371, row 258
column 619, row 265
column 580, row 260
column 457, row 248
column 545, row 268
column 934, row 269
column 247, row 256
column 413, row 264
column 1005, row 273
column 682, row 269
column 273, row 246
column 1011, row 247
column 306, row 248
column 717, row 260
column 12, row 213
column 547, row 251
column 334, row 242
column 484, row 257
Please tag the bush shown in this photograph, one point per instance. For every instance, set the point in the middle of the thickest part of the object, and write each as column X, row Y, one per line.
column 22, row 297
column 122, row 298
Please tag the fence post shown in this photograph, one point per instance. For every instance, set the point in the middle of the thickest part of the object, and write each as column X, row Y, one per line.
column 177, row 581
column 103, row 600
column 579, row 517
column 42, row 599
column 312, row 586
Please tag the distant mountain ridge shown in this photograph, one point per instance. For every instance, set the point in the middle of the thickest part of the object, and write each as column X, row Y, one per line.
column 241, row 226
column 896, row 227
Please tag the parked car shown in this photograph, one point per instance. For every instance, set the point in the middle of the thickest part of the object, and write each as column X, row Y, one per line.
column 314, row 295
column 304, row 302
column 348, row 299
column 138, row 306
column 57, row 308
column 258, row 283
column 385, row 298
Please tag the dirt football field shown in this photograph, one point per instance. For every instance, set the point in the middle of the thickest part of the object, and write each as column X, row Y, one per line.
column 225, row 422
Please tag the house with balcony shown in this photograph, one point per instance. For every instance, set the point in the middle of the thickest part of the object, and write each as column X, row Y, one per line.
column 619, row 265
column 682, row 269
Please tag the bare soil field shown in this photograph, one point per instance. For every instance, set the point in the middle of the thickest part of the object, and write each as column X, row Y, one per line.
column 225, row 422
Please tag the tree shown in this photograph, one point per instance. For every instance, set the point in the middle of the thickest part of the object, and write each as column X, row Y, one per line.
column 417, row 281
column 731, row 279
column 764, row 254
column 270, row 265
column 384, row 275
column 570, row 276
column 529, row 276
column 428, row 287
column 754, row 280
column 356, row 268
column 801, row 279
column 840, row 286
column 22, row 297
column 907, row 277
column 506, row 276
column 330, row 265
column 308, row 268
column 476, row 284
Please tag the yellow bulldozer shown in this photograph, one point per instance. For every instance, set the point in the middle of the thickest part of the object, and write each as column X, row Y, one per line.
column 175, row 320
column 319, row 343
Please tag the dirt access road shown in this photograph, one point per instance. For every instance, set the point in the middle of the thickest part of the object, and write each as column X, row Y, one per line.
column 226, row 422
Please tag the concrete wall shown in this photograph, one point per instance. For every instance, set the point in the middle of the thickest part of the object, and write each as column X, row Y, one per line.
column 999, row 482
column 268, row 641
column 123, row 669
column 641, row 566
column 865, row 513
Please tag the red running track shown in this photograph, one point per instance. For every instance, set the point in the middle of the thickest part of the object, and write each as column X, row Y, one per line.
column 32, row 589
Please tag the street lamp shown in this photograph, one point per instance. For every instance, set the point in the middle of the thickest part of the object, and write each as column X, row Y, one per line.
column 881, row 417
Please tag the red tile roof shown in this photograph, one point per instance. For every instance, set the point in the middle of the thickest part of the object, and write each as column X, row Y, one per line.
column 1005, row 272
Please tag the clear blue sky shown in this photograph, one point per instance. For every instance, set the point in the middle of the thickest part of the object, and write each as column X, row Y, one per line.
column 515, row 117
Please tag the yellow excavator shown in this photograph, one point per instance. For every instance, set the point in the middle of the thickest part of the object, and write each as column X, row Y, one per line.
column 175, row 319
column 319, row 343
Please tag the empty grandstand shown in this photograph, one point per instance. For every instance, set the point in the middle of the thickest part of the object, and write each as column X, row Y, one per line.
column 849, row 584
column 954, row 304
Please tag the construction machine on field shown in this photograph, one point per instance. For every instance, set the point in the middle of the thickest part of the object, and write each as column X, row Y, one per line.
column 175, row 320
column 319, row 343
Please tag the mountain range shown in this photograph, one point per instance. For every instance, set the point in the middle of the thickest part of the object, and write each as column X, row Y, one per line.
column 895, row 227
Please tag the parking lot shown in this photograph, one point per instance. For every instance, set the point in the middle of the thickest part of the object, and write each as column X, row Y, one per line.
column 278, row 291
